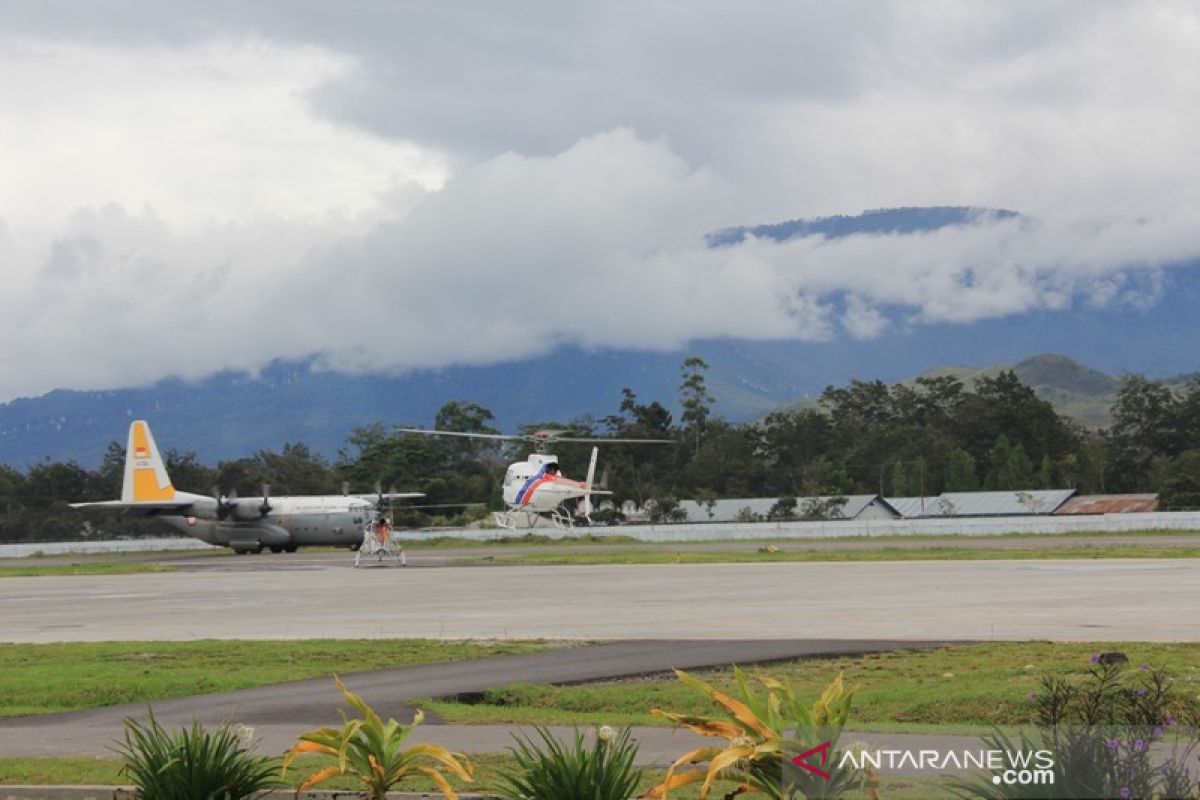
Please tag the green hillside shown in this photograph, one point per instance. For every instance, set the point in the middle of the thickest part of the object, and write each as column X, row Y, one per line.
column 1076, row 390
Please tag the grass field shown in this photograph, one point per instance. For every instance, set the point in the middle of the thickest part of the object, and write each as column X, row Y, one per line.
column 882, row 553
column 957, row 689
column 27, row 569
column 47, row 678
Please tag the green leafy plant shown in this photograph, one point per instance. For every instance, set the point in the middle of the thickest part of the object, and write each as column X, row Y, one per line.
column 193, row 763
column 550, row 770
column 1117, row 732
column 373, row 751
column 762, row 732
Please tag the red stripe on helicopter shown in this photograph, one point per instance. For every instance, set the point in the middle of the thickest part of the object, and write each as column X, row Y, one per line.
column 547, row 478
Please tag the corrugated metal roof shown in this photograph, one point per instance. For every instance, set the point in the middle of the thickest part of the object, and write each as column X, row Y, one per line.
column 1109, row 504
column 981, row 504
column 998, row 504
column 728, row 509
column 912, row 506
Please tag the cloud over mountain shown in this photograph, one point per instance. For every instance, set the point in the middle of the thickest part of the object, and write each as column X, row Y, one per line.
column 194, row 188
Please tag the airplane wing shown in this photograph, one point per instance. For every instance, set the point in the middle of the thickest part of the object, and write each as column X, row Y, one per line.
column 389, row 495
column 143, row 509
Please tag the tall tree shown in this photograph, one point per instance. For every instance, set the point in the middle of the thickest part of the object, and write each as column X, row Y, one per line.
column 694, row 396
column 1145, row 419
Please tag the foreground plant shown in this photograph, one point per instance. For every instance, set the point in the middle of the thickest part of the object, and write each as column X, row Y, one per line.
column 1117, row 732
column 758, row 751
column 550, row 770
column 194, row 763
column 373, row 751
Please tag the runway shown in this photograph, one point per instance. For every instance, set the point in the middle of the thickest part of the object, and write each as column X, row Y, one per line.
column 1067, row 600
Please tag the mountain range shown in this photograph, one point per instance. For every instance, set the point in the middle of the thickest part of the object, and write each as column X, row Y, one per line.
column 229, row 415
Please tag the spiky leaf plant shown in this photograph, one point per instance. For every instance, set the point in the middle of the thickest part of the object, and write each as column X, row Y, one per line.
column 762, row 731
column 373, row 751
column 550, row 770
column 193, row 763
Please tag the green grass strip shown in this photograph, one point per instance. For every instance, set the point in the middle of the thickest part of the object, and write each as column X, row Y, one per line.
column 953, row 689
column 756, row 556
column 27, row 570
column 48, row 678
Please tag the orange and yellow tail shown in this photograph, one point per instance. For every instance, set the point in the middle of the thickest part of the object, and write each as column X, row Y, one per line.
column 146, row 479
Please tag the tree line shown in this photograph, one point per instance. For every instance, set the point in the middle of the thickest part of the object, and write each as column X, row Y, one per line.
column 919, row 438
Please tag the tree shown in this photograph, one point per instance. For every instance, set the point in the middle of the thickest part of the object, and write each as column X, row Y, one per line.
column 902, row 486
column 1180, row 489
column 960, row 472
column 1011, row 468
column 707, row 499
column 694, row 396
column 1144, row 426
column 783, row 510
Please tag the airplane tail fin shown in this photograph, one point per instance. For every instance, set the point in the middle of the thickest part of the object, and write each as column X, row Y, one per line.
column 146, row 479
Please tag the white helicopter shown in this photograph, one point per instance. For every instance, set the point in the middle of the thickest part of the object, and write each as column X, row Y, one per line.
column 535, row 488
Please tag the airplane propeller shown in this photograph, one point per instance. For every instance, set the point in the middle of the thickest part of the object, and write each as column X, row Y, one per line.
column 224, row 506
column 264, row 507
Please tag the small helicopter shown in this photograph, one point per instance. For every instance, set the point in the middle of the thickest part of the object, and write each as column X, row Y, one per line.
column 535, row 488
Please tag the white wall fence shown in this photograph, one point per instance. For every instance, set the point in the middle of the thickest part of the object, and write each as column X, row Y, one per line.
column 955, row 526
column 732, row 531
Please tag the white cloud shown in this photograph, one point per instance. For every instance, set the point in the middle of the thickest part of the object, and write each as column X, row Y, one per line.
column 214, row 131
column 192, row 190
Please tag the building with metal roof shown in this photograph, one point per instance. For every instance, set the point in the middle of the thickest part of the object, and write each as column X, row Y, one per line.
column 1109, row 504
column 982, row 504
column 747, row 509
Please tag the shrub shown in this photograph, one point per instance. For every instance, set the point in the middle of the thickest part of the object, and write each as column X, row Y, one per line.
column 193, row 763
column 373, row 751
column 549, row 770
column 757, row 750
column 1118, row 732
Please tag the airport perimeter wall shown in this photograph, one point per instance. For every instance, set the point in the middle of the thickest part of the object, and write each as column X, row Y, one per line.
column 719, row 531
column 834, row 529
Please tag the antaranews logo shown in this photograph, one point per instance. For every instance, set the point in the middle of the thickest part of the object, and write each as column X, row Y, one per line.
column 802, row 762
column 1008, row 767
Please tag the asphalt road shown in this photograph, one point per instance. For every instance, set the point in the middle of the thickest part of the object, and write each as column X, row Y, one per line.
column 279, row 712
column 278, row 598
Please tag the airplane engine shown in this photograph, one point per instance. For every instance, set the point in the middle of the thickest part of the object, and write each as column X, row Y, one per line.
column 247, row 510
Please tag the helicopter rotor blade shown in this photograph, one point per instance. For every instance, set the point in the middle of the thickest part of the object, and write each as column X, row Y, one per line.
column 425, row 432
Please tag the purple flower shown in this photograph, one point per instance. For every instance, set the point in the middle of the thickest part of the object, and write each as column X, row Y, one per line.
column 1164, row 769
column 1113, row 744
column 1170, row 718
column 1095, row 657
column 1125, row 793
column 1158, row 733
column 1144, row 667
column 1140, row 693
column 1139, row 745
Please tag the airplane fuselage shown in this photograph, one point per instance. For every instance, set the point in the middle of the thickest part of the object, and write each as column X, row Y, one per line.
column 290, row 522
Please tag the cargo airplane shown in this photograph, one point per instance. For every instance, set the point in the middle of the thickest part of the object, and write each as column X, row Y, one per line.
column 245, row 524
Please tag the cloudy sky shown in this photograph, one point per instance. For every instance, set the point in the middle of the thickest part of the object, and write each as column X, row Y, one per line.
column 188, row 187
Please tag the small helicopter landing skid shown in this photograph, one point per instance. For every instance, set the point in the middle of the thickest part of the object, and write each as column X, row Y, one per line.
column 379, row 542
